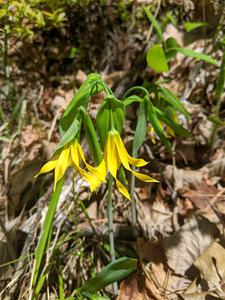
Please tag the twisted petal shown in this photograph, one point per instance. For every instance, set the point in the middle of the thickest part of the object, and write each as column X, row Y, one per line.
column 110, row 156
column 95, row 171
column 152, row 131
column 74, row 154
column 93, row 181
column 49, row 166
column 102, row 169
column 122, row 189
column 113, row 162
column 63, row 163
column 144, row 177
column 125, row 157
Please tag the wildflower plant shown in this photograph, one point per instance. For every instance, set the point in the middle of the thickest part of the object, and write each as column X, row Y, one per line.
column 109, row 155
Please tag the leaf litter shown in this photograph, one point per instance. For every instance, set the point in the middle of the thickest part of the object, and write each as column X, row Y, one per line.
column 181, row 245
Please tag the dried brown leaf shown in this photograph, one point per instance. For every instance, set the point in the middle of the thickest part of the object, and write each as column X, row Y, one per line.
column 200, row 296
column 211, row 265
column 185, row 245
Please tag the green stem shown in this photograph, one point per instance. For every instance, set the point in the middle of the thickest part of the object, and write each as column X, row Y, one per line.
column 218, row 96
column 133, row 203
column 110, row 227
column 136, row 88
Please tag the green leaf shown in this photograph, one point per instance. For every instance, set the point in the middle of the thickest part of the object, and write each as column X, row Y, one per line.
column 173, row 101
column 189, row 26
column 152, row 117
column 178, row 129
column 129, row 100
column 68, row 136
column 154, row 23
column 113, row 272
column 81, row 98
column 114, row 106
column 199, row 56
column 156, row 59
column 46, row 234
column 91, row 137
column 141, row 128
column 169, row 46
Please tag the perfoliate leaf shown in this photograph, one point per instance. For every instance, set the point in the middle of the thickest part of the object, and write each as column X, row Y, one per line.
column 156, row 59
column 199, row 56
column 113, row 272
column 91, row 137
column 152, row 117
column 173, row 101
column 169, row 45
column 141, row 128
column 114, row 107
column 154, row 23
column 189, row 26
column 68, row 136
column 178, row 129
column 81, row 98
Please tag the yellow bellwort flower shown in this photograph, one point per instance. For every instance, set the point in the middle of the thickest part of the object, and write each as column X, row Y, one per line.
column 116, row 154
column 168, row 131
column 71, row 156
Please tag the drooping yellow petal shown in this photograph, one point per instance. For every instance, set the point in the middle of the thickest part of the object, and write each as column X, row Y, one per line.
column 95, row 171
column 110, row 155
column 63, row 163
column 121, row 150
column 49, row 166
column 74, row 153
column 93, row 181
column 113, row 162
column 152, row 134
column 102, row 169
column 170, row 131
column 144, row 177
column 125, row 157
column 122, row 189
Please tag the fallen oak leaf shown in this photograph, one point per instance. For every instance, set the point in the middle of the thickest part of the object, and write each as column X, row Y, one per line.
column 211, row 265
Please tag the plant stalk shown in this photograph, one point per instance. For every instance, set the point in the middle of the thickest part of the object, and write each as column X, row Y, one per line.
column 110, row 227
column 133, row 203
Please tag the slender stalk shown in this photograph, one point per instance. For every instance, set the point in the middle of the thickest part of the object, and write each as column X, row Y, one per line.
column 110, row 227
column 133, row 203
column 218, row 96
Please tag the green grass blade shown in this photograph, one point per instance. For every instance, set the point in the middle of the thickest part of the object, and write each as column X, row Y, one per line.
column 197, row 55
column 173, row 100
column 154, row 22
column 45, row 233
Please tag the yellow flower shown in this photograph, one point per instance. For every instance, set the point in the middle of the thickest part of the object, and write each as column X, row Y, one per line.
column 167, row 131
column 71, row 156
column 116, row 154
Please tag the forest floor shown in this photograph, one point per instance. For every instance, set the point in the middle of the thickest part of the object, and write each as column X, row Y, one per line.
column 179, row 236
